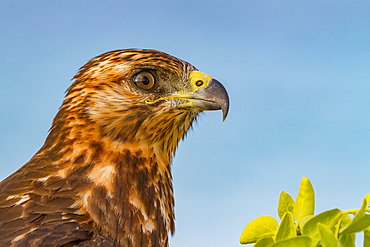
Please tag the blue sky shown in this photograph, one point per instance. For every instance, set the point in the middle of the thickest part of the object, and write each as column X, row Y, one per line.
column 297, row 73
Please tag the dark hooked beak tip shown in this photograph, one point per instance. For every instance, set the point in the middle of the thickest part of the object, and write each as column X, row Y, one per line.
column 213, row 97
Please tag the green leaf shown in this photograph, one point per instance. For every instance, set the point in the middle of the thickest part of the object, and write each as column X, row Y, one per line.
column 286, row 229
column 264, row 242
column 294, row 242
column 345, row 221
column 262, row 227
column 304, row 220
column 367, row 198
column 286, row 204
column 327, row 236
column 329, row 218
column 305, row 202
column 366, row 238
column 360, row 222
column 359, row 225
column 348, row 240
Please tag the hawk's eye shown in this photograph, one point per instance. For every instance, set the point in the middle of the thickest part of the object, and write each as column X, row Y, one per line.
column 144, row 80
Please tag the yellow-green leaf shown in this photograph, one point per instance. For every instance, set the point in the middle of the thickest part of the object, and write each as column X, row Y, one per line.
column 360, row 222
column 286, row 204
column 359, row 225
column 294, row 242
column 327, row 236
column 329, row 218
column 348, row 240
column 304, row 220
column 345, row 221
column 305, row 202
column 264, row 242
column 286, row 229
column 367, row 198
column 367, row 237
column 264, row 226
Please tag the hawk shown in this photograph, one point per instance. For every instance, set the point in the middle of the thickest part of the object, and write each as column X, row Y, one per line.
column 103, row 175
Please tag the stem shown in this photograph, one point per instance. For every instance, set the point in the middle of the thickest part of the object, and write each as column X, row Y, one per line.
column 354, row 211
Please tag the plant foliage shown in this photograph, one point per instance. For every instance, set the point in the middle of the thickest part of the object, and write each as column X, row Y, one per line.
column 300, row 227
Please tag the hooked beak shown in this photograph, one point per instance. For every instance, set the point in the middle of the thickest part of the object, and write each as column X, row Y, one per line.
column 212, row 97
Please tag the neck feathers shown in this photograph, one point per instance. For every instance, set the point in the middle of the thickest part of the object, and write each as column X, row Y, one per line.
column 124, row 187
column 131, row 198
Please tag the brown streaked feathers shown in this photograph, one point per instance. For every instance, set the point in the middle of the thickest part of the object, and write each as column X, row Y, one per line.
column 103, row 176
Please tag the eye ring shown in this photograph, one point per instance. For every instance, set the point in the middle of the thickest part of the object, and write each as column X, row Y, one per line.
column 199, row 83
column 144, row 80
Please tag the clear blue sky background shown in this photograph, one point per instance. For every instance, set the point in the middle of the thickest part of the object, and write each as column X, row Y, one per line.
column 298, row 76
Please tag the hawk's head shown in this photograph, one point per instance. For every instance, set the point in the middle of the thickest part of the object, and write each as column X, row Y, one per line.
column 145, row 96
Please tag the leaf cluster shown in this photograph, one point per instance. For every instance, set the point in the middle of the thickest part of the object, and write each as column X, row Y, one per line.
column 299, row 226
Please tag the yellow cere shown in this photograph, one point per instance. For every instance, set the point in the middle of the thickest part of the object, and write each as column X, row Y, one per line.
column 199, row 79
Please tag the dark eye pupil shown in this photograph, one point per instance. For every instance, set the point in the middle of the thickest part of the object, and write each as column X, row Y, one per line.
column 145, row 80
